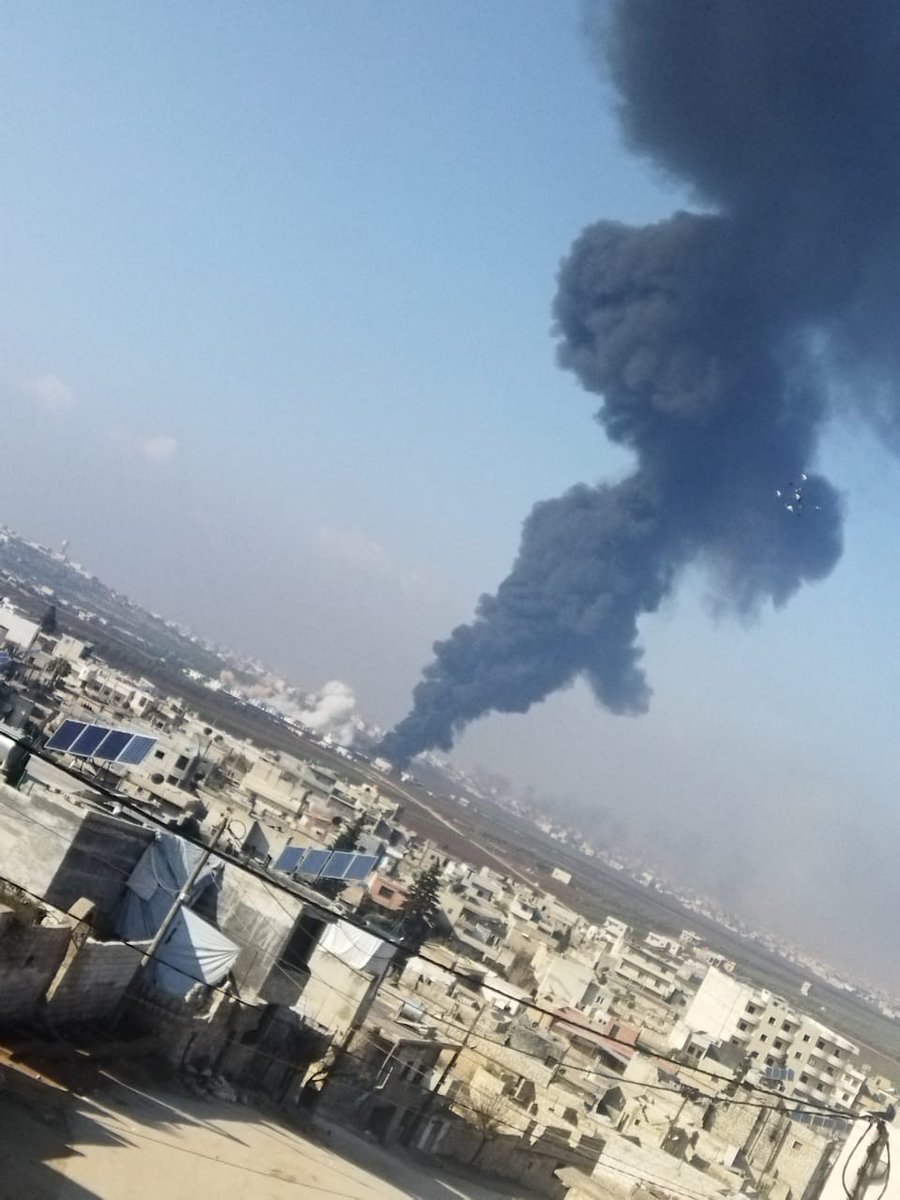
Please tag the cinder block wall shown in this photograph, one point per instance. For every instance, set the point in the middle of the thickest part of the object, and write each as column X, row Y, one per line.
column 95, row 982
column 29, row 958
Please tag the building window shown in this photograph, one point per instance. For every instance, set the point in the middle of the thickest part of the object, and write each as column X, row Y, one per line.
column 743, row 1026
column 159, row 754
column 752, row 1010
column 763, row 1038
column 804, row 1079
column 806, row 1037
column 771, row 1020
column 778, row 1044
column 754, row 1054
column 796, row 1054
column 786, row 1026
column 820, row 1044
column 770, row 1061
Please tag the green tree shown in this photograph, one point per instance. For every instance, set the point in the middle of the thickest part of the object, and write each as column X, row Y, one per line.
column 347, row 839
column 17, row 760
column 59, row 668
column 419, row 913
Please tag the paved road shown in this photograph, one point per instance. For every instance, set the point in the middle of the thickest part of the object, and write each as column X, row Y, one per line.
column 127, row 1142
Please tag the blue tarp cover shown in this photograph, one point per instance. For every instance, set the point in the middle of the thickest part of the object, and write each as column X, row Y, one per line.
column 193, row 950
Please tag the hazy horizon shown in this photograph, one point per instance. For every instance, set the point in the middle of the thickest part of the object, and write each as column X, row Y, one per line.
column 277, row 362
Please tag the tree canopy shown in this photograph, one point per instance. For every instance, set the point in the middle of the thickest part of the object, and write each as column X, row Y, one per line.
column 418, row 915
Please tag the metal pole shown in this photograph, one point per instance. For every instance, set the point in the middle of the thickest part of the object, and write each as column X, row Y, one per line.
column 429, row 1100
column 356, row 1024
column 183, row 895
column 870, row 1162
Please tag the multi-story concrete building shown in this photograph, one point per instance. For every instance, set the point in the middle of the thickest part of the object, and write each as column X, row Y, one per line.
column 769, row 1033
column 639, row 965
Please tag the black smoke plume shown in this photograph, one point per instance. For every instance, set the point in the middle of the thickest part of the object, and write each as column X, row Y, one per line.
column 707, row 337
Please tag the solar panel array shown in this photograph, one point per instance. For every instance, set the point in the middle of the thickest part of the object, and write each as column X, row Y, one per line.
column 103, row 742
column 312, row 862
column 819, row 1120
column 786, row 1073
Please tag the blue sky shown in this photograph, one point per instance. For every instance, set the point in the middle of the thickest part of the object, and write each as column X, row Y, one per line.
column 276, row 358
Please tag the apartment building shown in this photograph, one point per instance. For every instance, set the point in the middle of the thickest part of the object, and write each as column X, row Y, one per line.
column 771, row 1035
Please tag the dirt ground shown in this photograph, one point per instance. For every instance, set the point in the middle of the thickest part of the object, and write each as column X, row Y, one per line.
column 119, row 1136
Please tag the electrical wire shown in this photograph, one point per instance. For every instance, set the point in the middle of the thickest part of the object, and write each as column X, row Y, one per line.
column 882, row 1134
column 563, row 1148
column 566, row 1150
column 887, row 1166
column 681, row 1089
column 575, row 1025
column 678, row 1089
column 318, row 905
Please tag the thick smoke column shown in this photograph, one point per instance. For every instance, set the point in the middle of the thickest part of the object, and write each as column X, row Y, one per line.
column 705, row 335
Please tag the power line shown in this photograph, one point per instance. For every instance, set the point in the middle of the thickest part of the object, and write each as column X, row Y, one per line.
column 616, row 1080
column 565, row 1148
column 319, row 906
column 680, row 1089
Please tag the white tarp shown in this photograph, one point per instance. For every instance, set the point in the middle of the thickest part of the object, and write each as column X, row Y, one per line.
column 358, row 949
column 193, row 949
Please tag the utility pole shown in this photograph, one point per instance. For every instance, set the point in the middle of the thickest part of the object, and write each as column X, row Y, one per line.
column 356, row 1024
column 430, row 1098
column 874, row 1151
column 183, row 895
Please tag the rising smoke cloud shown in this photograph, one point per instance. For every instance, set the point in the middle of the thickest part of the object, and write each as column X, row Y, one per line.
column 708, row 337
column 331, row 712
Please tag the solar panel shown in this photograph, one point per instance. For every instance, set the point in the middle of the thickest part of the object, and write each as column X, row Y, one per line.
column 313, row 862
column 101, row 742
column 338, row 864
column 779, row 1073
column 137, row 750
column 820, row 1121
column 88, row 741
column 362, row 865
column 113, row 745
column 63, row 738
column 289, row 857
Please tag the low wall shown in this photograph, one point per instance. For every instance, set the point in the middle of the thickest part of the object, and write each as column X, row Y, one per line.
column 30, row 956
column 94, row 983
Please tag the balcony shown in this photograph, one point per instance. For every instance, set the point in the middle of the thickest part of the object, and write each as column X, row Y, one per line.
column 841, row 1061
column 817, row 1070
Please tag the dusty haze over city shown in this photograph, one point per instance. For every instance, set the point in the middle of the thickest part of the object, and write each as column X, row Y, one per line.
column 277, row 359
